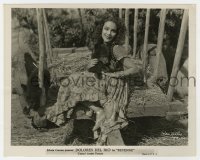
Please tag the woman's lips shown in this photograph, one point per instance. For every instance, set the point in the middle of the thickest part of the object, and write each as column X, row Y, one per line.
column 108, row 37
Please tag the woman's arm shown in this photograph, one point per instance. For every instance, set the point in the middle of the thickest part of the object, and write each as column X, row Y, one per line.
column 131, row 67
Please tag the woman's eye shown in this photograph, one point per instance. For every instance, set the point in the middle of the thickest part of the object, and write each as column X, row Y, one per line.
column 113, row 31
column 106, row 28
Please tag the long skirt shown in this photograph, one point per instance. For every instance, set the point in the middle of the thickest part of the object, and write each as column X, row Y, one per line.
column 85, row 86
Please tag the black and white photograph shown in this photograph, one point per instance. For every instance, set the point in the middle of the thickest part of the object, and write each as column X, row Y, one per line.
column 106, row 77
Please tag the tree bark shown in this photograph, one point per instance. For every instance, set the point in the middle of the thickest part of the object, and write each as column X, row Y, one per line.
column 42, row 56
column 47, row 39
column 120, row 13
column 135, row 33
column 161, row 31
column 49, row 52
column 146, row 43
column 81, row 22
column 179, row 51
column 127, row 28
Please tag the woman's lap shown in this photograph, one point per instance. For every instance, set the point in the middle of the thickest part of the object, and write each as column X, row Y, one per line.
column 85, row 87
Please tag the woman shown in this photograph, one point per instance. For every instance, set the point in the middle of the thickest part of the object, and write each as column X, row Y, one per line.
column 103, row 88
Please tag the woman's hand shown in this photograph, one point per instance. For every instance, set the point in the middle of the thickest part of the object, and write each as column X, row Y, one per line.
column 92, row 63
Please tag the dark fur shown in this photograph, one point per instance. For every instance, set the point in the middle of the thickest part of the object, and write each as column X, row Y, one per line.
column 32, row 90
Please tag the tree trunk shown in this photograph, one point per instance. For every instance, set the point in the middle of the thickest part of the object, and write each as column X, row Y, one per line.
column 42, row 56
column 47, row 39
column 120, row 13
column 161, row 31
column 81, row 22
column 146, row 43
column 127, row 28
column 48, row 48
column 135, row 33
column 179, row 51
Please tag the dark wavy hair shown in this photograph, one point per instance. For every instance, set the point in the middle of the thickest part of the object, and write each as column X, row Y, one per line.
column 96, row 37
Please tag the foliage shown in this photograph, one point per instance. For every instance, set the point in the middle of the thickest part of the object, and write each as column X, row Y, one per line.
column 26, row 18
column 173, row 24
column 65, row 31
column 80, row 27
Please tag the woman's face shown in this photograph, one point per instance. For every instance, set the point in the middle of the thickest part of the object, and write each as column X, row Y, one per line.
column 109, row 31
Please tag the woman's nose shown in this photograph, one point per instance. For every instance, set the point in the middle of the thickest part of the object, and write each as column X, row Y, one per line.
column 109, row 32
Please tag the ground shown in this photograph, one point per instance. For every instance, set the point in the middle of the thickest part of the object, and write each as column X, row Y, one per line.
column 149, row 131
